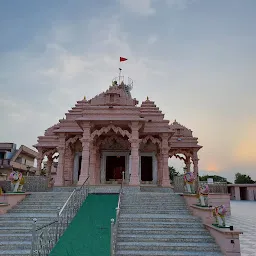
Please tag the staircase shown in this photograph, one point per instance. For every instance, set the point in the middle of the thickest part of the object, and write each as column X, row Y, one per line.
column 159, row 223
column 16, row 225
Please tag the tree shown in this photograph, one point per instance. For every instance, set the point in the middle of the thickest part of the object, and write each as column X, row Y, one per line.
column 215, row 178
column 173, row 172
column 243, row 179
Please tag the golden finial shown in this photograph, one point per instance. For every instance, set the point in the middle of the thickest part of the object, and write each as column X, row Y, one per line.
column 84, row 98
column 147, row 98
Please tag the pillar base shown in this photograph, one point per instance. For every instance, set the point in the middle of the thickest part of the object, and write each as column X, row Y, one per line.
column 166, row 183
column 58, row 183
column 134, row 181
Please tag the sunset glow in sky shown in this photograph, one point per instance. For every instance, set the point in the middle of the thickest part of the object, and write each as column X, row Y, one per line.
column 195, row 58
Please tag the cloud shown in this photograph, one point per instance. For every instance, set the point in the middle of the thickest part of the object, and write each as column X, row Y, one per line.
column 180, row 4
column 48, row 77
column 141, row 7
column 145, row 7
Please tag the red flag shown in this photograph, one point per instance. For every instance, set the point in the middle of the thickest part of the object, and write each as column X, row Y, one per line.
column 122, row 59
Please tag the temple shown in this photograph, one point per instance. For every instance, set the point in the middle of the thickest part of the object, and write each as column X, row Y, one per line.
column 111, row 135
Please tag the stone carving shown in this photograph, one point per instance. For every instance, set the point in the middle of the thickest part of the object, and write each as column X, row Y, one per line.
column 50, row 152
column 153, row 139
column 189, row 180
column 17, row 181
column 184, row 152
column 114, row 143
column 106, row 129
column 219, row 213
column 181, row 130
column 148, row 147
column 203, row 192
column 72, row 140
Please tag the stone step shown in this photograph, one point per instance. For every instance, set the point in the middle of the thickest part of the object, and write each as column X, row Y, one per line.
column 153, row 207
column 168, row 246
column 136, row 203
column 159, row 211
column 152, row 224
column 20, row 245
column 157, row 218
column 164, row 238
column 16, row 237
column 28, row 203
column 37, row 207
column 15, row 252
column 21, row 223
column 165, row 253
column 32, row 215
column 162, row 231
column 33, row 210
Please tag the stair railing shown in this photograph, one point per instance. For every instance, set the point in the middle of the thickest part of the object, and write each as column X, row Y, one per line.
column 114, row 224
column 45, row 237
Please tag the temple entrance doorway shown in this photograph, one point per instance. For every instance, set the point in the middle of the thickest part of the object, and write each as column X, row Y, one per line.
column 146, row 169
column 112, row 165
column 115, row 165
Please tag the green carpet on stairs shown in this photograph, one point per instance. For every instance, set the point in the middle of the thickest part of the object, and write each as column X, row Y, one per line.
column 89, row 232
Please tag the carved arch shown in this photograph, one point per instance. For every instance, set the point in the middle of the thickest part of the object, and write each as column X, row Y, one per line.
column 185, row 152
column 106, row 129
column 180, row 157
column 153, row 139
column 73, row 139
column 50, row 152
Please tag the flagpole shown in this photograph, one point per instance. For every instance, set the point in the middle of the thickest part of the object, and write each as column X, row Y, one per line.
column 119, row 78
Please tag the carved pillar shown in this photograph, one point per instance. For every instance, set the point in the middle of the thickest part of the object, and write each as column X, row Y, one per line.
column 69, row 166
column 195, row 163
column 195, row 169
column 135, row 143
column 93, row 156
column 188, row 163
column 165, row 156
column 159, row 168
column 85, row 154
column 60, row 169
column 39, row 160
column 98, row 164
column 49, row 166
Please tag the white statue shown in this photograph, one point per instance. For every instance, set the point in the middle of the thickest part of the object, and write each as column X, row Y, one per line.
column 189, row 180
column 17, row 181
column 203, row 193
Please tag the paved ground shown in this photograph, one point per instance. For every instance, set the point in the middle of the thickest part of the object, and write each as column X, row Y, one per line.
column 244, row 218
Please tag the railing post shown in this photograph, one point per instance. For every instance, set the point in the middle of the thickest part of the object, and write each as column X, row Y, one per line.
column 33, row 236
column 57, row 225
column 112, row 249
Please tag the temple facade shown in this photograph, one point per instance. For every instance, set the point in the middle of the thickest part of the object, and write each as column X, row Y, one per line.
column 110, row 135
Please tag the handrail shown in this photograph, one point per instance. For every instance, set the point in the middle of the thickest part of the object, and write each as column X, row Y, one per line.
column 84, row 182
column 45, row 237
column 63, row 207
column 114, row 224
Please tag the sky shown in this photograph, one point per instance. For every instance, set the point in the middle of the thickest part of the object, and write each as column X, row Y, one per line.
column 195, row 58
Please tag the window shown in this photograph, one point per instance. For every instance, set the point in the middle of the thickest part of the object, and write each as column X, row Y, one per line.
column 112, row 97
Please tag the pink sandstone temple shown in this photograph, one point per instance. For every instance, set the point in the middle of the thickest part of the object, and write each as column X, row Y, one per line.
column 112, row 134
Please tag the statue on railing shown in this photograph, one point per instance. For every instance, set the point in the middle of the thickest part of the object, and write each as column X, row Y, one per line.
column 203, row 193
column 219, row 213
column 17, row 181
column 189, row 180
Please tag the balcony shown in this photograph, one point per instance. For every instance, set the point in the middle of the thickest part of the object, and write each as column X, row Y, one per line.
column 8, row 164
column 5, row 163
